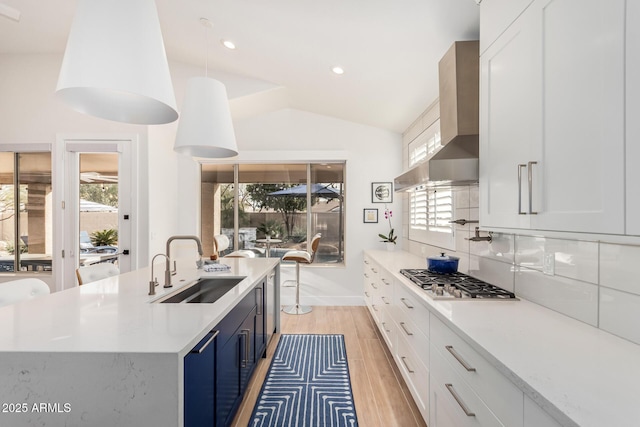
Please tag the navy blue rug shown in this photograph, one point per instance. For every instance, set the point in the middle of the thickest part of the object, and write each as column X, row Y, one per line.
column 307, row 385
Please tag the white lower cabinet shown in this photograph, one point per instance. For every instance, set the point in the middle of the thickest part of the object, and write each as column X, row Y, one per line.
column 477, row 375
column 413, row 367
column 451, row 383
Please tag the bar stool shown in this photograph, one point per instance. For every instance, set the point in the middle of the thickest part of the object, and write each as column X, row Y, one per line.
column 221, row 243
column 301, row 257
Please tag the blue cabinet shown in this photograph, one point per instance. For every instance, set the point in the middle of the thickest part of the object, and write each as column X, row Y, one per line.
column 217, row 371
column 200, row 381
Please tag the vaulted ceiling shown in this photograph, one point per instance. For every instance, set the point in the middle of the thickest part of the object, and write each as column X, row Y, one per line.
column 388, row 49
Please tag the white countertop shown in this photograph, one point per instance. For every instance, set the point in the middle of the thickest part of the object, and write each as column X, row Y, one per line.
column 580, row 374
column 117, row 315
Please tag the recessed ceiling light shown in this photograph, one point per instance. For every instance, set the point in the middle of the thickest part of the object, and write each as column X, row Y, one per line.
column 228, row 44
column 338, row 70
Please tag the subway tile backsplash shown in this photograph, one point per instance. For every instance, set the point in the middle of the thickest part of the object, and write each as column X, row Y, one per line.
column 595, row 282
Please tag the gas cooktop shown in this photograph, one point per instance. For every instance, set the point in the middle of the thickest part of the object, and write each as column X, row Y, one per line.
column 455, row 286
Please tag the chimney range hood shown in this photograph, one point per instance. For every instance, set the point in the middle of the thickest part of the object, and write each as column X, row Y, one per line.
column 456, row 163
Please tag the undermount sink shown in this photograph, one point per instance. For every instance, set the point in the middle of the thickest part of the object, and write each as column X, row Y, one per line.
column 207, row 290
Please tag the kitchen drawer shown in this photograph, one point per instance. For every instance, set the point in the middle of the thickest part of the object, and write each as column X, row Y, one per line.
column 412, row 306
column 386, row 285
column 500, row 394
column 388, row 329
column 464, row 408
column 415, row 373
column 413, row 335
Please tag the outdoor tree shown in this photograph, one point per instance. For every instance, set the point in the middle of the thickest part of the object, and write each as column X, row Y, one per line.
column 259, row 197
column 106, row 194
column 226, row 207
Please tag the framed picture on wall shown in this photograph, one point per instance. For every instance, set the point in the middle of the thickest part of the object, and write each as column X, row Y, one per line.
column 381, row 192
column 370, row 215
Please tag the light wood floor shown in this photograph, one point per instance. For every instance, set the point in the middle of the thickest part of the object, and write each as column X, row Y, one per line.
column 380, row 394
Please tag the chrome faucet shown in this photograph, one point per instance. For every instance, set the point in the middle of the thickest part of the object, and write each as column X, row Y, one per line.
column 154, row 280
column 167, row 272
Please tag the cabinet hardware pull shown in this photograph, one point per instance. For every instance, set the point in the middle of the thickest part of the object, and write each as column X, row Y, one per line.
column 466, row 410
column 205, row 345
column 530, row 170
column 384, row 326
column 404, row 362
column 366, row 275
column 373, row 285
column 385, row 282
column 406, row 331
column 374, row 270
column 520, row 211
column 384, row 300
column 405, row 303
column 366, row 294
column 374, row 307
column 247, row 348
column 459, row 358
column 366, row 262
column 259, row 302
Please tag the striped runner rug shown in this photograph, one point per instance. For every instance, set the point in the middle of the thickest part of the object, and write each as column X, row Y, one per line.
column 307, row 385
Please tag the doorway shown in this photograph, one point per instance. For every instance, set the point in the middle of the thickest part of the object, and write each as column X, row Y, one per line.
column 98, row 190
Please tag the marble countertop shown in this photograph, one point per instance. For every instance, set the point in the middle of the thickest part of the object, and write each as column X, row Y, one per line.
column 581, row 375
column 116, row 315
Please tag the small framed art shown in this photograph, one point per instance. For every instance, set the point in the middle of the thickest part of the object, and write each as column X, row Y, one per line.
column 381, row 192
column 370, row 215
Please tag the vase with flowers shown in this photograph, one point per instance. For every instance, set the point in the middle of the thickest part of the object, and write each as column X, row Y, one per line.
column 389, row 239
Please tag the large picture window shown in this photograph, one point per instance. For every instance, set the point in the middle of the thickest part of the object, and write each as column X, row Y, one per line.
column 286, row 203
column 25, row 212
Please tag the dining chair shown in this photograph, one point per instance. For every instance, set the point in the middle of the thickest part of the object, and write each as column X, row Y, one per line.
column 93, row 272
column 15, row 291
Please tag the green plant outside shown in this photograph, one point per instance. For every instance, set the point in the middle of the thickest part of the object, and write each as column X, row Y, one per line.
column 105, row 237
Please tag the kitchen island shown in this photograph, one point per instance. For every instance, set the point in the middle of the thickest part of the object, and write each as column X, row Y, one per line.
column 107, row 353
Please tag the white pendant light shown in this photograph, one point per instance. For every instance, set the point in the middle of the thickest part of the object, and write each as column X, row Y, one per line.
column 115, row 66
column 205, row 128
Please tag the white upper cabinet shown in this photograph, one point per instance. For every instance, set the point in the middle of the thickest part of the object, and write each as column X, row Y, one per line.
column 510, row 122
column 633, row 118
column 552, row 111
column 495, row 17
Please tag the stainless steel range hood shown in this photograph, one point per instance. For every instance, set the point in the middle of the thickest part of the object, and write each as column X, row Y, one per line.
column 456, row 163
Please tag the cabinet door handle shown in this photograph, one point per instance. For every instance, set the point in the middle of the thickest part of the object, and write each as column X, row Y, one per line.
column 404, row 301
column 205, row 345
column 366, row 262
column 384, row 300
column 374, row 307
column 466, row 410
column 366, row 275
column 459, row 358
column 366, row 294
column 259, row 301
column 374, row 270
column 373, row 285
column 406, row 331
column 530, row 171
column 385, row 282
column 520, row 211
column 404, row 362
column 384, row 326
column 245, row 359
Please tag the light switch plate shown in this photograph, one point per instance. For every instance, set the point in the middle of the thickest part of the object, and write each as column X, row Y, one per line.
column 549, row 263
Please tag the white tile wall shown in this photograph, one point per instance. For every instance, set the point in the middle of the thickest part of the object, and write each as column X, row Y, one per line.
column 492, row 271
column 620, row 267
column 571, row 297
column 620, row 313
column 572, row 258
